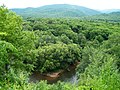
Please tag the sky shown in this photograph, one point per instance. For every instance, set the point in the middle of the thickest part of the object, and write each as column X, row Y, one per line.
column 93, row 4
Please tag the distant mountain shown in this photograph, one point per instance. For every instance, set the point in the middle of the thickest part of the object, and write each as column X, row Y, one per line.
column 114, row 16
column 56, row 10
column 110, row 10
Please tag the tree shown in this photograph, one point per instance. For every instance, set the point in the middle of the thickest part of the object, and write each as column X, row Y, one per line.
column 57, row 56
column 10, row 24
column 9, row 58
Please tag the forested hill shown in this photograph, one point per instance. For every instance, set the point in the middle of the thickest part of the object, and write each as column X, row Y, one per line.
column 56, row 10
column 110, row 10
column 114, row 17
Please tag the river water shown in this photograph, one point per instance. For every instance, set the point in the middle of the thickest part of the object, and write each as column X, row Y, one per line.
column 66, row 76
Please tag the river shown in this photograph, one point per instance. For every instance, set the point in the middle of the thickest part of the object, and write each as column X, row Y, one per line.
column 65, row 76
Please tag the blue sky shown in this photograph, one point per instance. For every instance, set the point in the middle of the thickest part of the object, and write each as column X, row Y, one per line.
column 93, row 4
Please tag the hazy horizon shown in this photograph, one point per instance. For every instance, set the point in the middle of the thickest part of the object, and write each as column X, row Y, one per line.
column 93, row 4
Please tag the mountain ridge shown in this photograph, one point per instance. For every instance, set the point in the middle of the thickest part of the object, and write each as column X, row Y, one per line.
column 107, row 11
column 56, row 10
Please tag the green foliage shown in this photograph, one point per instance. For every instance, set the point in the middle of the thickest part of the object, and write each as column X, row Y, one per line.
column 16, row 45
column 26, row 46
column 113, row 44
column 49, row 44
column 82, row 40
column 9, row 58
column 97, row 34
column 56, row 56
column 101, row 72
column 85, row 59
column 45, row 38
column 41, row 86
column 10, row 24
column 2, row 34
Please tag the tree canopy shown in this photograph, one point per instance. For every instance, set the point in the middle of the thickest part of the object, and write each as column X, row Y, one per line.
column 51, row 44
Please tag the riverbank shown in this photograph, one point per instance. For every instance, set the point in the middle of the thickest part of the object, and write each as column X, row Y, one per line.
column 66, row 75
column 54, row 74
column 57, row 73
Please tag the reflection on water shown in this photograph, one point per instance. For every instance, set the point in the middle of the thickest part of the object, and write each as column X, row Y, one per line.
column 66, row 76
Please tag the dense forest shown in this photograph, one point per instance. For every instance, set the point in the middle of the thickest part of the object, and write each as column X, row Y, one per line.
column 51, row 44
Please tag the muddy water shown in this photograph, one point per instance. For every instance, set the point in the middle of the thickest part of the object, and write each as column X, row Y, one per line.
column 66, row 76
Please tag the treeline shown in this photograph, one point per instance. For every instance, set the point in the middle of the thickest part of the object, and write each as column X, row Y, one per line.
column 47, row 44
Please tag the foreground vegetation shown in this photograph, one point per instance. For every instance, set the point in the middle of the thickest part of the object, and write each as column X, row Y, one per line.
column 47, row 45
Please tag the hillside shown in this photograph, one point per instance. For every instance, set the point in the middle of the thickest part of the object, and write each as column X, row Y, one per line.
column 56, row 10
column 114, row 17
column 110, row 11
